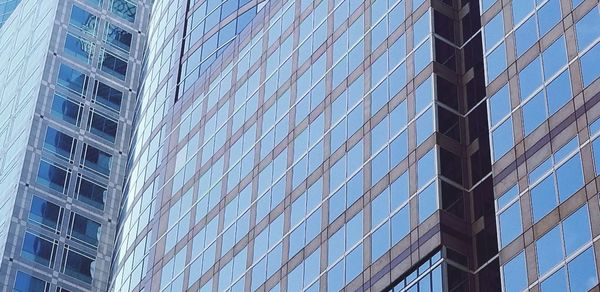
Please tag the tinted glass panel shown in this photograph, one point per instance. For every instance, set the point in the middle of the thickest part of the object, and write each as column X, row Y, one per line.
column 52, row 176
column 113, row 65
column 79, row 48
column 72, row 79
column 59, row 143
column 66, row 110
column 77, row 266
column 85, row 229
column 118, row 37
column 26, row 283
column 124, row 9
column 97, row 160
column 45, row 213
column 37, row 249
column 91, row 193
column 103, row 126
column 84, row 20
column 108, row 96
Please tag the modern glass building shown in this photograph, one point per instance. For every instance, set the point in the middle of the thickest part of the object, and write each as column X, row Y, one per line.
column 68, row 78
column 395, row 145
column 300, row 145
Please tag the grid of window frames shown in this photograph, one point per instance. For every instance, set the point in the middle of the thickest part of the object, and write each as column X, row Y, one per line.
column 224, row 135
column 531, row 36
column 48, row 218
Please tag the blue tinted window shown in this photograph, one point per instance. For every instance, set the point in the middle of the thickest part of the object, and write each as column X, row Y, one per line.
column 590, row 65
column 38, row 249
column 84, row 20
column 502, row 139
column 534, row 113
column 52, row 176
column 66, row 110
column 554, row 57
column 124, row 9
column 587, row 29
column 494, row 31
column 543, row 198
column 77, row 265
column 558, row 92
column 72, row 79
column 380, row 241
column 576, row 229
column 549, row 250
column 530, row 78
column 97, row 160
column 102, row 126
column 113, row 65
column 59, row 143
column 79, row 48
column 510, row 224
column 556, row 282
column 45, row 213
column 27, row 283
column 496, row 62
column 582, row 272
column 427, row 202
column 118, row 37
column 515, row 274
column 84, row 229
column 108, row 96
column 526, row 34
column 499, row 105
column 520, row 9
column 569, row 178
column 549, row 15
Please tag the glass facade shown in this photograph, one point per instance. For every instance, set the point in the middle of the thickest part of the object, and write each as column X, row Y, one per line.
column 299, row 145
column 542, row 107
column 68, row 83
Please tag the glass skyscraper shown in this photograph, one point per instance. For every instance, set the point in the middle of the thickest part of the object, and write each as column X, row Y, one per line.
column 300, row 145
column 68, row 79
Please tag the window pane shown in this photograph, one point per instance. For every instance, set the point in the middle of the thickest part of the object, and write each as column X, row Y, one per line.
column 556, row 282
column 108, row 96
column 66, row 110
column 427, row 202
column 569, row 177
column 78, row 266
column 124, row 9
column 590, row 65
column 53, row 176
column 549, row 250
column 118, row 37
column 85, row 229
column 90, row 193
column 587, row 29
column 37, row 249
column 72, row 79
column 515, row 274
column 582, row 272
column 26, row 283
column 97, row 160
column 576, row 229
column 554, row 57
column 83, row 20
column 102, row 126
column 543, row 198
column 510, row 224
column 526, row 34
column 530, row 79
column 502, row 139
column 79, row 48
column 59, row 143
column 45, row 213
column 113, row 65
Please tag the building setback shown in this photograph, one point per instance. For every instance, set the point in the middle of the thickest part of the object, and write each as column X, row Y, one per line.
column 68, row 81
